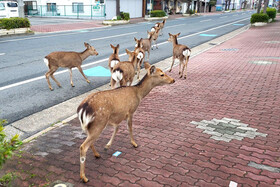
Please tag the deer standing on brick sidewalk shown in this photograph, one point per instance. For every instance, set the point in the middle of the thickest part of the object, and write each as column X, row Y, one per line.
column 67, row 60
column 114, row 57
column 138, row 49
column 145, row 44
column 123, row 73
column 111, row 107
column 160, row 25
column 181, row 52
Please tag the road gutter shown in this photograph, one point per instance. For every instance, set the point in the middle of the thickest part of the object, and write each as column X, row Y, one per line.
column 59, row 115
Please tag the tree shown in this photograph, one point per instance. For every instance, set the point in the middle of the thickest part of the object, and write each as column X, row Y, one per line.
column 265, row 5
column 259, row 6
column 189, row 4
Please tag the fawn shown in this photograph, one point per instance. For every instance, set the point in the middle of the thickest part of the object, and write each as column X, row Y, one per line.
column 114, row 57
column 181, row 52
column 67, row 60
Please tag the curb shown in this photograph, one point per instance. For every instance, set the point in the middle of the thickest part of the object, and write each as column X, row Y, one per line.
column 118, row 22
column 156, row 18
column 52, row 112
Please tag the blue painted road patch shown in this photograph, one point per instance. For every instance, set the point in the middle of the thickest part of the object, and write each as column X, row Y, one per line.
column 209, row 35
column 97, row 71
column 238, row 24
column 117, row 153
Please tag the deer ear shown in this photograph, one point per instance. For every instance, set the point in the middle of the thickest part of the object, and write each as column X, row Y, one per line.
column 169, row 34
column 152, row 70
column 112, row 46
column 127, row 51
column 147, row 65
column 178, row 34
column 86, row 44
column 118, row 46
column 135, row 39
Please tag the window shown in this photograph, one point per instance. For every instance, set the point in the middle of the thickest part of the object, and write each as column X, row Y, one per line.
column 12, row 4
column 2, row 6
column 51, row 7
column 77, row 7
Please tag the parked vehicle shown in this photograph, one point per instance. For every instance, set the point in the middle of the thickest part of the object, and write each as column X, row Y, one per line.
column 8, row 9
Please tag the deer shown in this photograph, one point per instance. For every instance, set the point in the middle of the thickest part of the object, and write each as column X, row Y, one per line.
column 145, row 44
column 181, row 52
column 138, row 49
column 111, row 107
column 123, row 72
column 154, row 34
column 160, row 25
column 114, row 57
column 67, row 60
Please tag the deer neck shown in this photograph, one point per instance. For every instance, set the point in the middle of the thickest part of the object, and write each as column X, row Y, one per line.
column 175, row 42
column 134, row 60
column 84, row 54
column 144, row 87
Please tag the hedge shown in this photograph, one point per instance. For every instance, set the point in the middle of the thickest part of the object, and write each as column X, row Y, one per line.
column 158, row 13
column 271, row 12
column 125, row 15
column 13, row 23
column 259, row 18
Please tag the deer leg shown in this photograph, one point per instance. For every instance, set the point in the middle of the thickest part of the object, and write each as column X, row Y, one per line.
column 149, row 54
column 180, row 68
column 186, row 64
column 50, row 73
column 116, row 128
column 182, row 61
column 81, row 71
column 156, row 44
column 70, row 70
column 93, row 134
column 129, row 124
column 173, row 59
column 113, row 83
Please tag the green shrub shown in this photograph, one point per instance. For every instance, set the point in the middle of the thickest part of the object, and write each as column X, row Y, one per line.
column 158, row 13
column 13, row 23
column 119, row 17
column 259, row 18
column 191, row 12
column 271, row 12
column 125, row 15
column 7, row 146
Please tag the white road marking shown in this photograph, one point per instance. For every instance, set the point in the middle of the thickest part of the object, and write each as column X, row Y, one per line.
column 99, row 61
column 174, row 25
column 223, row 17
column 2, row 54
column 206, row 20
column 113, row 36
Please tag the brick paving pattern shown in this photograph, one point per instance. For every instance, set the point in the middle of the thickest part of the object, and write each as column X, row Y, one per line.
column 221, row 84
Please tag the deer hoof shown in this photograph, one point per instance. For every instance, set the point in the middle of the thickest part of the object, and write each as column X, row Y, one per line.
column 134, row 144
column 185, row 77
column 170, row 70
column 181, row 76
column 97, row 155
column 107, row 147
column 84, row 179
column 88, row 81
column 179, row 73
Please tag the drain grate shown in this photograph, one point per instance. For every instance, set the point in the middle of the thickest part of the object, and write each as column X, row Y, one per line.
column 227, row 129
column 262, row 62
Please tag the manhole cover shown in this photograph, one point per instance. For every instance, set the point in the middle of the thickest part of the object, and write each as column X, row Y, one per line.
column 230, row 49
column 272, row 42
column 262, row 62
column 227, row 129
column 60, row 185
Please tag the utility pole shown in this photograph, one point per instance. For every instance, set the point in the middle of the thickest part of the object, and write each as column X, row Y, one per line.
column 21, row 8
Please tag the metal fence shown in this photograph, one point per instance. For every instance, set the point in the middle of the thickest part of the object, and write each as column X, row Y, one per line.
column 73, row 11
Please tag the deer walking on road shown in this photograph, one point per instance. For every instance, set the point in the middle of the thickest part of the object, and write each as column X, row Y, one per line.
column 111, row 107
column 181, row 52
column 114, row 57
column 67, row 60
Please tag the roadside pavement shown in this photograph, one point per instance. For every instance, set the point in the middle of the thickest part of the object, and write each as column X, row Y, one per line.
column 218, row 127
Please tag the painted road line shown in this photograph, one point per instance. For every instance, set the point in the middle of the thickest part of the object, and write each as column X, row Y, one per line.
column 209, row 35
column 103, row 60
column 238, row 24
column 174, row 26
column 2, row 54
column 206, row 20
column 224, row 17
column 113, row 36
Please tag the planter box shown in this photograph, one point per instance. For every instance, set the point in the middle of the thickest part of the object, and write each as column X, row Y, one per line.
column 270, row 20
column 5, row 32
column 155, row 18
column 117, row 22
column 259, row 24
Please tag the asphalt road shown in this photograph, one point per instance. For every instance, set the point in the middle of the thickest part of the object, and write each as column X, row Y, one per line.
column 24, row 90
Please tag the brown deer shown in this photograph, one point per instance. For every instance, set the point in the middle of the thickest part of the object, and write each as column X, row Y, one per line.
column 181, row 52
column 145, row 44
column 123, row 72
column 141, row 56
column 67, row 60
column 154, row 35
column 111, row 107
column 160, row 25
column 114, row 57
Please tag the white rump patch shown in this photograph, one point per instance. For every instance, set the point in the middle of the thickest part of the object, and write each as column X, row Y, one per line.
column 140, row 55
column 113, row 63
column 117, row 76
column 156, row 25
column 153, row 29
column 86, row 119
column 187, row 53
column 136, row 45
column 46, row 61
column 82, row 159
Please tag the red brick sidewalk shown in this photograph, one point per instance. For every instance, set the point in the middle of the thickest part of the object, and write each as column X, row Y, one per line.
column 239, row 79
